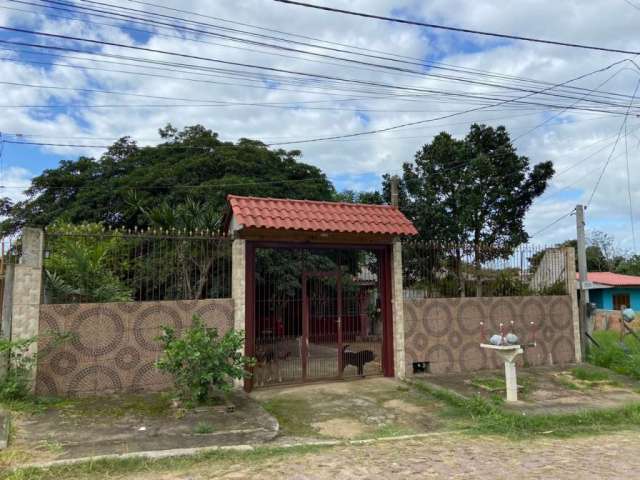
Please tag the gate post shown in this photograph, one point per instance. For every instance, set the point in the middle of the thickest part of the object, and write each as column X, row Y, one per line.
column 238, row 291
column 397, row 302
column 26, row 290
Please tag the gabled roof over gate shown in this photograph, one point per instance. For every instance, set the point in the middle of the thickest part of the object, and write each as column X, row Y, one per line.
column 313, row 216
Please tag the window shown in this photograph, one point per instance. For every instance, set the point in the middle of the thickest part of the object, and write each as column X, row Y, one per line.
column 621, row 300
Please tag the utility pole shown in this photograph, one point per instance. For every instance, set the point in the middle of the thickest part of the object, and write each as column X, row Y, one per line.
column 395, row 182
column 582, row 270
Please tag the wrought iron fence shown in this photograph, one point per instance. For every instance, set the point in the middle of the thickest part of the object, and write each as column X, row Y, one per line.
column 432, row 270
column 117, row 266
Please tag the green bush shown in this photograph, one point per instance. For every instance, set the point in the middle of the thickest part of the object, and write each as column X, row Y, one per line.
column 201, row 362
column 18, row 363
column 623, row 358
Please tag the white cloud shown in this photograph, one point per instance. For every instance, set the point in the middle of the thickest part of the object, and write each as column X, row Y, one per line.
column 575, row 141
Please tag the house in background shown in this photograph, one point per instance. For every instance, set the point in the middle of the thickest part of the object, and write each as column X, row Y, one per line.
column 610, row 291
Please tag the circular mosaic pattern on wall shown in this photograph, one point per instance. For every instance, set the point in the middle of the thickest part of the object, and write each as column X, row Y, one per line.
column 420, row 342
column 562, row 350
column 538, row 355
column 441, row 359
column 148, row 377
column 148, row 323
column 412, row 324
column 63, row 363
column 48, row 330
column 470, row 314
column 455, row 339
column 548, row 334
column 222, row 322
column 502, row 311
column 560, row 313
column 472, row 357
column 129, row 307
column 46, row 385
column 187, row 305
column 66, row 310
column 97, row 331
column 533, row 311
column 438, row 319
column 96, row 378
column 127, row 358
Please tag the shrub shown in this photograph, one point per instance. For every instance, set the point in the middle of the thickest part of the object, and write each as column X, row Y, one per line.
column 621, row 357
column 201, row 362
column 15, row 377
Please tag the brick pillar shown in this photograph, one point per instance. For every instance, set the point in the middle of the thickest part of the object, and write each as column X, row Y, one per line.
column 572, row 287
column 238, row 290
column 397, row 302
column 27, row 287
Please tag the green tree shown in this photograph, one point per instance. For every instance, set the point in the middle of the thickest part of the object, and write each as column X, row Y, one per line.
column 629, row 266
column 475, row 190
column 80, row 264
column 193, row 163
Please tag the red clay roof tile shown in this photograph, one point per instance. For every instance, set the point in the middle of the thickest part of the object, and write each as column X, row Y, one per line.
column 613, row 279
column 286, row 214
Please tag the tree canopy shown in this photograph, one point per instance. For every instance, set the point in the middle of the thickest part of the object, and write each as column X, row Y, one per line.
column 120, row 188
column 475, row 190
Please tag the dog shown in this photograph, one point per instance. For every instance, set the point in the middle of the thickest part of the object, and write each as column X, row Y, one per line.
column 357, row 359
column 268, row 358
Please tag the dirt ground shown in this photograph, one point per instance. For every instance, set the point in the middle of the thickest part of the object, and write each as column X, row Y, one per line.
column 447, row 456
column 108, row 425
column 548, row 389
column 374, row 407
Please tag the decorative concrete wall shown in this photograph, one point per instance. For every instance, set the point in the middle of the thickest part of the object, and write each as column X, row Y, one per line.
column 112, row 347
column 446, row 332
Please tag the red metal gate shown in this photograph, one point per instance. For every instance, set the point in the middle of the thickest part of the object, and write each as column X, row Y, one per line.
column 308, row 324
column 321, row 325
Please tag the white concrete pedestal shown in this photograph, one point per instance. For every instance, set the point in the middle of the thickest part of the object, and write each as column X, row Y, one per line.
column 508, row 353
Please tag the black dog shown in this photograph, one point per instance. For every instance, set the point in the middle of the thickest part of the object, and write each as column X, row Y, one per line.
column 357, row 359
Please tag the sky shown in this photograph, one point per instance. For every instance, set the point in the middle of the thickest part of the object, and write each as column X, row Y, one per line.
column 74, row 108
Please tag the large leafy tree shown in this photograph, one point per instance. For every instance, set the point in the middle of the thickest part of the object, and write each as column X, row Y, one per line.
column 472, row 191
column 117, row 188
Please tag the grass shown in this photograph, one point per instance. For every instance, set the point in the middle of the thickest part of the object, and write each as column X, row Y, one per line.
column 620, row 357
column 294, row 415
column 590, row 374
column 110, row 468
column 497, row 384
column 203, row 428
column 156, row 405
column 487, row 417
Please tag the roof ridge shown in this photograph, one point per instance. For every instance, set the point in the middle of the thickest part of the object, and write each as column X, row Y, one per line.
column 300, row 200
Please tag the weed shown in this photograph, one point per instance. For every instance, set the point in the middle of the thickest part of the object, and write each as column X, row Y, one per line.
column 203, row 428
column 488, row 417
column 111, row 468
column 621, row 357
column 294, row 415
column 589, row 374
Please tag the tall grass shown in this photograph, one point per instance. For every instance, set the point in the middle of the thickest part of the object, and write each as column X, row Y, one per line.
column 621, row 357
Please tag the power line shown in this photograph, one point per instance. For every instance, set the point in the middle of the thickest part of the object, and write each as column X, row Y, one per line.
column 624, row 122
column 553, row 223
column 462, row 30
column 419, row 122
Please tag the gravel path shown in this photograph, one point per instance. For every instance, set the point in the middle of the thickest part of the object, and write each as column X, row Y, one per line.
column 442, row 457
